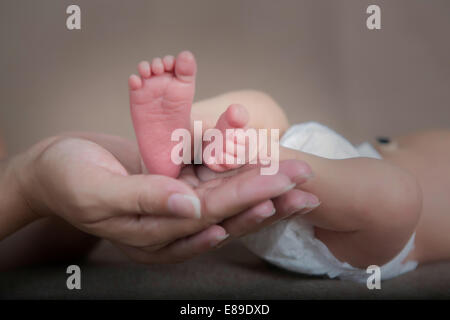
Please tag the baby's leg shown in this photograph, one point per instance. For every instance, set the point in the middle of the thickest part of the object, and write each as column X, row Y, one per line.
column 263, row 111
column 369, row 210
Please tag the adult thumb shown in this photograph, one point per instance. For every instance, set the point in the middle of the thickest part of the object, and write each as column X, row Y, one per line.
column 150, row 195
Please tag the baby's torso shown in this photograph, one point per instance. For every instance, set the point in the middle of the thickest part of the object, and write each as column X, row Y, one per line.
column 427, row 156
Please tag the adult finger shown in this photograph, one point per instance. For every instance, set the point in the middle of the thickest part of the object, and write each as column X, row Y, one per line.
column 269, row 212
column 249, row 220
column 296, row 201
column 241, row 192
column 179, row 250
column 152, row 195
column 192, row 246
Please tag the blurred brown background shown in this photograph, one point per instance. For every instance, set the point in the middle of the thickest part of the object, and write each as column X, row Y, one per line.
column 316, row 58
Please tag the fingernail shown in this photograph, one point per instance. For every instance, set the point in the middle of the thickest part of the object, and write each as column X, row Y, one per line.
column 304, row 208
column 264, row 215
column 184, row 205
column 309, row 207
column 302, row 177
column 220, row 240
column 289, row 187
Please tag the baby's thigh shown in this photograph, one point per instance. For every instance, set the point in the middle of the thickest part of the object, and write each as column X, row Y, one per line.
column 363, row 248
column 264, row 111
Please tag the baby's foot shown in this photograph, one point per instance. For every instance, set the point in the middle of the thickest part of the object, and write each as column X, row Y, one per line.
column 160, row 102
column 235, row 149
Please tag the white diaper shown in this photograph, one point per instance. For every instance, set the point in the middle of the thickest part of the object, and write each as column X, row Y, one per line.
column 290, row 243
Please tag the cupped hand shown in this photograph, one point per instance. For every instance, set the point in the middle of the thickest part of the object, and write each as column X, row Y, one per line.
column 95, row 183
column 261, row 214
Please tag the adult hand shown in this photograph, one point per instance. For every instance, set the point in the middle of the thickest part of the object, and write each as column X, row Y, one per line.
column 94, row 182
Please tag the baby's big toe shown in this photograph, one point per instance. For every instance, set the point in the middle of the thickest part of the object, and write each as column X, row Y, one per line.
column 185, row 66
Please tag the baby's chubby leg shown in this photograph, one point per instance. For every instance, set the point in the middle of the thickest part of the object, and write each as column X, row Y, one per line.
column 263, row 111
column 369, row 208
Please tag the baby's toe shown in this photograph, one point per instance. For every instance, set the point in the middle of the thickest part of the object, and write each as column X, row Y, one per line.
column 185, row 66
column 169, row 62
column 157, row 66
column 134, row 82
column 144, row 69
column 236, row 116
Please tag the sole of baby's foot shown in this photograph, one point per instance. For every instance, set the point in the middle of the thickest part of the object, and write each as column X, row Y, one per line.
column 234, row 153
column 161, row 98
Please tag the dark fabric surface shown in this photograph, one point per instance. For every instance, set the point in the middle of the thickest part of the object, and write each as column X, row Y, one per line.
column 231, row 272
